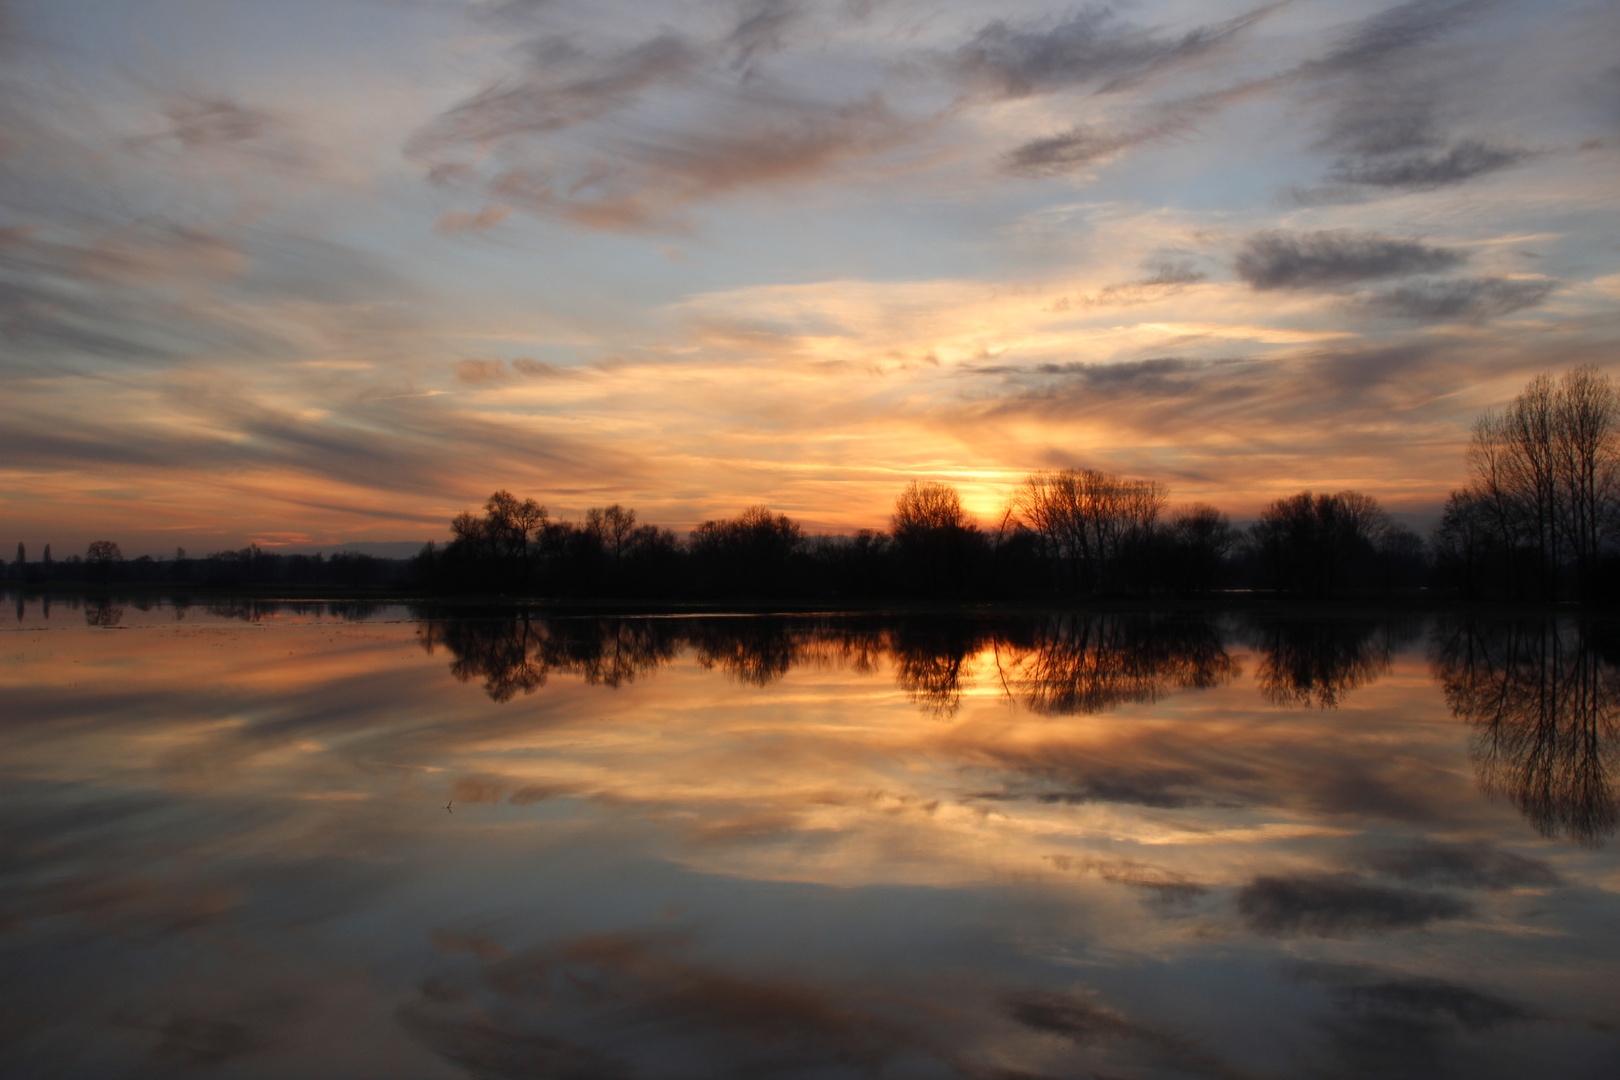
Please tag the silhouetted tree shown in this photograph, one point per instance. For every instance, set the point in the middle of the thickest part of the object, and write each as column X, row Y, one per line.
column 748, row 554
column 493, row 549
column 1544, row 479
column 1196, row 543
column 1317, row 545
column 1091, row 521
column 1466, row 543
column 101, row 556
column 934, row 538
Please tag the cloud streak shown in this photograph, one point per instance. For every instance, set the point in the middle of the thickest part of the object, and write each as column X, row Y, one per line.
column 1279, row 260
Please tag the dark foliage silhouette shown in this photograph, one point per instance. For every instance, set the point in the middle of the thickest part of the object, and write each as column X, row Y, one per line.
column 1317, row 545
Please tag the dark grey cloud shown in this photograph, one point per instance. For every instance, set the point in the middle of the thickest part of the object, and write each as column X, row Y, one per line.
column 1468, row 866
column 109, row 293
column 1168, row 887
column 212, row 121
column 1461, row 300
column 215, row 125
column 1337, row 906
column 1166, row 276
column 1284, row 260
column 1094, row 46
column 763, row 27
column 1461, row 161
column 408, row 445
column 1150, row 375
column 538, row 102
column 1396, row 31
column 1387, row 89
column 1073, row 149
column 593, row 139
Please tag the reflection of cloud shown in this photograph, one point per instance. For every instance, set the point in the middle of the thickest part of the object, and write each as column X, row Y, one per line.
column 1467, row 866
column 1391, row 1024
column 945, row 944
column 1168, row 887
column 584, row 1008
column 1338, row 906
column 205, row 1042
column 1091, row 1024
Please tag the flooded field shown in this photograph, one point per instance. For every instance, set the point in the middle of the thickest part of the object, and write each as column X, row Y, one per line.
column 297, row 840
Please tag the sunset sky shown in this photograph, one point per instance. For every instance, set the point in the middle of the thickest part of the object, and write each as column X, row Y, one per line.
column 312, row 272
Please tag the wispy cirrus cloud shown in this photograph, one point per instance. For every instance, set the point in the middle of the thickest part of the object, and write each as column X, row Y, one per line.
column 1092, row 47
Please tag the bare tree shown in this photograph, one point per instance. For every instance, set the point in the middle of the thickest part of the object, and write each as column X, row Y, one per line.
column 1586, row 463
column 1314, row 543
column 926, row 506
column 748, row 553
column 936, row 540
column 1088, row 518
column 615, row 525
column 1545, row 473
column 101, row 555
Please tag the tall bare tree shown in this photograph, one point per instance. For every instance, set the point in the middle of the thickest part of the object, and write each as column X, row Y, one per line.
column 1545, row 473
column 1087, row 518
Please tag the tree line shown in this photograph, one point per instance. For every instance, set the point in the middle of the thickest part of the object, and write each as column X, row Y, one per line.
column 1539, row 518
column 1067, row 533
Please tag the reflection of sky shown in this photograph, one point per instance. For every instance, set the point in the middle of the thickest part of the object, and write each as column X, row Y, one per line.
column 312, row 272
column 226, row 846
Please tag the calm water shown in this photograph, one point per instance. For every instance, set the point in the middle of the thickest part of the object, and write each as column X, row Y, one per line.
column 262, row 841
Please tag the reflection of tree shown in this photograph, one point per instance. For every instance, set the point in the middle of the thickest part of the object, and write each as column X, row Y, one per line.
column 1062, row 664
column 1092, row 663
column 755, row 651
column 517, row 654
column 1545, row 705
column 103, row 613
column 930, row 661
column 1315, row 662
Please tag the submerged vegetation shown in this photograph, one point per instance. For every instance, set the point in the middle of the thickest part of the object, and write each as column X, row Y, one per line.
column 1539, row 519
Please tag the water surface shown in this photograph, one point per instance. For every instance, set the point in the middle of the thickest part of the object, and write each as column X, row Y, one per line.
column 269, row 840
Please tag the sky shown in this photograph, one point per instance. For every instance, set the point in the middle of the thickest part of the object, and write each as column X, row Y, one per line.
column 307, row 273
